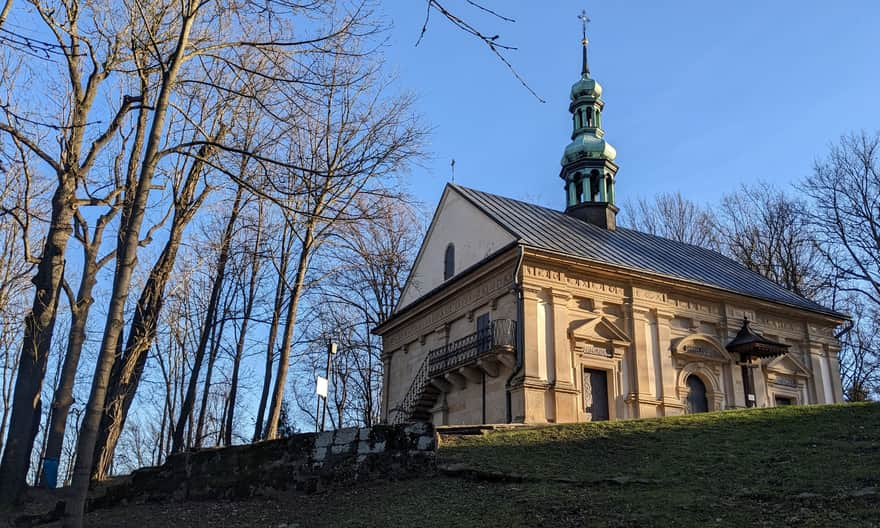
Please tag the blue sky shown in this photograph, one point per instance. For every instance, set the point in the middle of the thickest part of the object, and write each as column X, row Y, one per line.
column 700, row 96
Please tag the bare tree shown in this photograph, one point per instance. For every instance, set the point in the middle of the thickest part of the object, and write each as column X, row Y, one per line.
column 281, row 262
column 768, row 231
column 352, row 139
column 860, row 351
column 674, row 217
column 219, row 313
column 208, row 325
column 249, row 298
column 91, row 241
column 845, row 213
column 15, row 270
column 168, row 38
column 87, row 62
column 367, row 263
column 189, row 194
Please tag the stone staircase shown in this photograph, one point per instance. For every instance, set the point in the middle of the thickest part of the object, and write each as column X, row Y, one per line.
column 453, row 366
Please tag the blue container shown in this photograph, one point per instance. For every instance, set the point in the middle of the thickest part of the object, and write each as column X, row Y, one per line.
column 50, row 473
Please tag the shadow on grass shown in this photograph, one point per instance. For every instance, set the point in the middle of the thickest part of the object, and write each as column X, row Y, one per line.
column 799, row 466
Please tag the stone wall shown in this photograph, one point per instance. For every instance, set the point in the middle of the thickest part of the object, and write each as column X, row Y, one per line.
column 301, row 463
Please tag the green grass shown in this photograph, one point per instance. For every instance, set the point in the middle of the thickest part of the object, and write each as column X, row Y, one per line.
column 797, row 466
column 794, row 465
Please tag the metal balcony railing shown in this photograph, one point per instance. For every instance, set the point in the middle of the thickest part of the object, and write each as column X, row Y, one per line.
column 502, row 333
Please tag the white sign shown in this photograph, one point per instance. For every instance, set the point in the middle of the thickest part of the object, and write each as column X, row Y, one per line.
column 321, row 389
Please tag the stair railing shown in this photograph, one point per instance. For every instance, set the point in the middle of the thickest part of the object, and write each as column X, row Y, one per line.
column 405, row 408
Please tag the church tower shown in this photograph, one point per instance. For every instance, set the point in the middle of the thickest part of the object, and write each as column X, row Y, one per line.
column 588, row 167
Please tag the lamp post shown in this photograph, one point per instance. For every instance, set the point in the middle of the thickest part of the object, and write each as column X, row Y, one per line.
column 331, row 350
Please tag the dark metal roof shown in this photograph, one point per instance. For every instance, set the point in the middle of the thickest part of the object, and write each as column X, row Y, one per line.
column 548, row 229
column 750, row 343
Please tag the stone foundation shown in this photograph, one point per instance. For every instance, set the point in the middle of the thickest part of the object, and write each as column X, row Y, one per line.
column 303, row 463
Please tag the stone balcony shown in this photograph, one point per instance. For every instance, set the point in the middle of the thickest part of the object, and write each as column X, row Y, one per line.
column 468, row 358
column 455, row 364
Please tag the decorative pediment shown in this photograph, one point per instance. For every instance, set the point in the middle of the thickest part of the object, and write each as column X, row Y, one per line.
column 787, row 365
column 595, row 335
column 597, row 329
column 701, row 347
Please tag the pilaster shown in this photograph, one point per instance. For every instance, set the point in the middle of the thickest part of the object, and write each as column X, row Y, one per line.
column 817, row 383
column 386, row 377
column 534, row 388
column 645, row 399
column 834, row 367
column 672, row 405
column 564, row 389
column 530, row 334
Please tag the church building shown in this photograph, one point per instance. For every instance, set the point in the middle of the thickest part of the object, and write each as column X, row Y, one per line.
column 514, row 312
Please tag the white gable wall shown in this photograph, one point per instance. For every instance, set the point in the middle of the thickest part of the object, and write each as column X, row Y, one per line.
column 475, row 236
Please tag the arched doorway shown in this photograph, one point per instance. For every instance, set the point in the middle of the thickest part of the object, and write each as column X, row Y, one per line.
column 696, row 400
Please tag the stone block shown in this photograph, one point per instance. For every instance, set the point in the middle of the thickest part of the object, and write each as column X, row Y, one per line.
column 370, row 447
column 324, row 439
column 345, row 436
column 339, row 449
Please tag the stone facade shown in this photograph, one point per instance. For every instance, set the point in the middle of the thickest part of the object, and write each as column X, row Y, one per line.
column 644, row 337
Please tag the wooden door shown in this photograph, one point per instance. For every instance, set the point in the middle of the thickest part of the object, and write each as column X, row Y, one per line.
column 596, row 394
column 696, row 402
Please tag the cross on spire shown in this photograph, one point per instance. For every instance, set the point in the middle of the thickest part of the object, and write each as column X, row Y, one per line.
column 585, row 69
column 584, row 20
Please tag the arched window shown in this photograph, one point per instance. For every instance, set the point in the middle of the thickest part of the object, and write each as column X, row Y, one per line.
column 449, row 262
column 696, row 400
column 589, row 116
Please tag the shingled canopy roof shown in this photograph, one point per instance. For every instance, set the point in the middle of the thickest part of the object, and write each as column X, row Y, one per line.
column 547, row 229
column 752, row 344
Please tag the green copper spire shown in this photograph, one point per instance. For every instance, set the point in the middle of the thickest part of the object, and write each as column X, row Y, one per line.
column 588, row 166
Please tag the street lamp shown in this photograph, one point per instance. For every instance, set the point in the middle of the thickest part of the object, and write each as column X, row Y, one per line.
column 322, row 385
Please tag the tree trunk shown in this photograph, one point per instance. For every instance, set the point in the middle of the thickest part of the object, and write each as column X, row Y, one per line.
column 126, row 373
column 126, row 259
column 242, row 335
column 186, row 409
column 217, row 334
column 280, row 288
column 287, row 340
column 63, row 397
column 37, row 339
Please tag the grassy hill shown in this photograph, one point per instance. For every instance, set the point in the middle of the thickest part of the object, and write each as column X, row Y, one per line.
column 795, row 466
